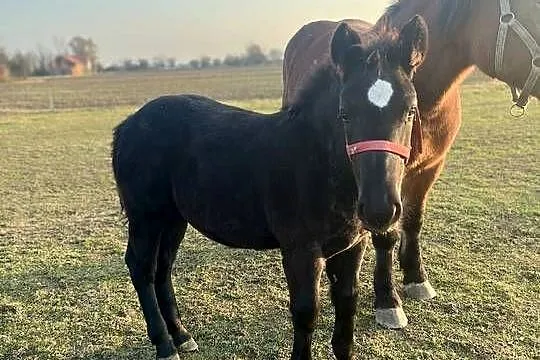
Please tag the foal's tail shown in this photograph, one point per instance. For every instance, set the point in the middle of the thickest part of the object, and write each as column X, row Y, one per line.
column 115, row 156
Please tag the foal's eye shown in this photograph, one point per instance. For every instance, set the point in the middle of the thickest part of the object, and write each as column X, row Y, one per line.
column 343, row 116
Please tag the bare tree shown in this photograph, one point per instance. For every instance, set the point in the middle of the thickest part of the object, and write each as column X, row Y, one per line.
column 216, row 62
column 233, row 60
column 144, row 64
column 4, row 57
column 60, row 45
column 254, row 55
column 84, row 48
column 195, row 64
column 171, row 62
column 22, row 65
column 205, row 62
column 275, row 55
column 44, row 61
column 159, row 62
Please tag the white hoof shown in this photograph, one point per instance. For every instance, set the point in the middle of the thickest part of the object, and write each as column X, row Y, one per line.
column 172, row 357
column 422, row 291
column 189, row 346
column 393, row 318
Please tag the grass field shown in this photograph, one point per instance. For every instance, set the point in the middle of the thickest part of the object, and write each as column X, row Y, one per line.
column 65, row 291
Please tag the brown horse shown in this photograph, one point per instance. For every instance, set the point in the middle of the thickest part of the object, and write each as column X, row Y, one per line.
column 500, row 38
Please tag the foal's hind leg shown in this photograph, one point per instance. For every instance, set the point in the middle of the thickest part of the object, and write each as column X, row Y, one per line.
column 415, row 190
column 342, row 270
column 141, row 259
column 170, row 241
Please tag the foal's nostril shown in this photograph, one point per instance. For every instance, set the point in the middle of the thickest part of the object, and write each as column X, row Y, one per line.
column 381, row 218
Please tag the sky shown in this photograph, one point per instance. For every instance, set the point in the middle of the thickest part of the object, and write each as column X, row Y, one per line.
column 179, row 28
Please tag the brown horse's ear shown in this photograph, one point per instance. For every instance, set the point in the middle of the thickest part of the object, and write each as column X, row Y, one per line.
column 413, row 40
column 343, row 39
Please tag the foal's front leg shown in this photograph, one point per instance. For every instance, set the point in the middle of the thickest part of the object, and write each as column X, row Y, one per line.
column 303, row 270
column 388, row 310
column 342, row 271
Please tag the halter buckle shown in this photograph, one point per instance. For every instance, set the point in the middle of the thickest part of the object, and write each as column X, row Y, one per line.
column 507, row 18
column 517, row 111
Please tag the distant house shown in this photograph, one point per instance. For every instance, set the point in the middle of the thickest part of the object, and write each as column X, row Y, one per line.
column 71, row 65
column 4, row 72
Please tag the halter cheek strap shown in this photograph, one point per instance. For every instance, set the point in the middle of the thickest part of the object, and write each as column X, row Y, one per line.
column 508, row 21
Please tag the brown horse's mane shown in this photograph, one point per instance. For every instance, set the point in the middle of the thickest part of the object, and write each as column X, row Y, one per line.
column 326, row 75
column 451, row 15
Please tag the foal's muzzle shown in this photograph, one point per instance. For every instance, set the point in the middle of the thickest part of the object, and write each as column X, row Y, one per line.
column 379, row 205
column 379, row 217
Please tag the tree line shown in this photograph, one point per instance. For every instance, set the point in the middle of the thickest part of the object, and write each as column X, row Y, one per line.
column 44, row 62
column 253, row 55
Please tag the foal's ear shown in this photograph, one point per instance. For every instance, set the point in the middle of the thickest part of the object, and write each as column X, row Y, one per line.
column 343, row 39
column 413, row 40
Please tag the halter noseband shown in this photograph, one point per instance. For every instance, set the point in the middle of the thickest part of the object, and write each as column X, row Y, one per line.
column 389, row 146
column 379, row 145
column 508, row 20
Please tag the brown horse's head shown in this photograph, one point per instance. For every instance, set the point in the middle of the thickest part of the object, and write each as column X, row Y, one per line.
column 508, row 30
column 378, row 106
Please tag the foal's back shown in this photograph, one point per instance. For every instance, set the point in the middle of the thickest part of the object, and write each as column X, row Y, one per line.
column 196, row 160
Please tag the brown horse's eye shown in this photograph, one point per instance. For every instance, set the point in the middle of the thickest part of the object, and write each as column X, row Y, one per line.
column 411, row 115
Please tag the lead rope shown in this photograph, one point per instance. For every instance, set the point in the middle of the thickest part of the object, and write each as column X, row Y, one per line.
column 508, row 21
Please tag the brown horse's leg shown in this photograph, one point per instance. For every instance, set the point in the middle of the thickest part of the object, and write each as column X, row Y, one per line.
column 303, row 269
column 168, row 247
column 388, row 311
column 342, row 270
column 141, row 258
column 415, row 190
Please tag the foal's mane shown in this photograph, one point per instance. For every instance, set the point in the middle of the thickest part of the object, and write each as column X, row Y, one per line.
column 451, row 13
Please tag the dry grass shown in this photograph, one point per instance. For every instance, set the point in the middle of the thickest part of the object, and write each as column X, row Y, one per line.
column 65, row 292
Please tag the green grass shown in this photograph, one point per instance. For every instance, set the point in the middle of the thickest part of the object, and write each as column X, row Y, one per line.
column 65, row 291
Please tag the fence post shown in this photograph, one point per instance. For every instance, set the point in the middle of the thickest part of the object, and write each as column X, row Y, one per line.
column 51, row 99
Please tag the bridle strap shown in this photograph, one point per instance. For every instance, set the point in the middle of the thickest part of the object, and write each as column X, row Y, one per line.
column 507, row 21
column 379, row 145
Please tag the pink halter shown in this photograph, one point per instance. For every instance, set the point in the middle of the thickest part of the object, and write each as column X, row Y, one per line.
column 392, row 147
column 379, row 145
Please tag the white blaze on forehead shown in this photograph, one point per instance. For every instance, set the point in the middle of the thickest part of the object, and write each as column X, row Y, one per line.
column 380, row 93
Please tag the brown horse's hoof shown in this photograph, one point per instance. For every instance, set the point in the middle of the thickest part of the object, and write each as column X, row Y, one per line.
column 422, row 291
column 188, row 346
column 393, row 318
column 172, row 357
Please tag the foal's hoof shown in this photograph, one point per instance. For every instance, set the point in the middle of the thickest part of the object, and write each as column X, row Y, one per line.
column 422, row 291
column 172, row 357
column 393, row 318
column 188, row 346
